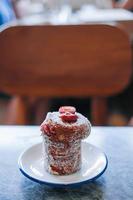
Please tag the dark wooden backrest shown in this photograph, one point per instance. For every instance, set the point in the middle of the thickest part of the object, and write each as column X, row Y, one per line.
column 71, row 60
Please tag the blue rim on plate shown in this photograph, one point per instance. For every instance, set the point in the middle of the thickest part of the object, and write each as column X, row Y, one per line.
column 23, row 171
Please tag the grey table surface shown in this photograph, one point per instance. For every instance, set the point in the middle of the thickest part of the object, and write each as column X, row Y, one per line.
column 115, row 184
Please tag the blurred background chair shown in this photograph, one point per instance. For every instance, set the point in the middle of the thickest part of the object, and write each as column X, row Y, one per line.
column 62, row 61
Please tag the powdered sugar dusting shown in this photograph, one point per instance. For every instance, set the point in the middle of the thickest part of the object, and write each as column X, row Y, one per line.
column 55, row 117
column 62, row 143
column 62, row 158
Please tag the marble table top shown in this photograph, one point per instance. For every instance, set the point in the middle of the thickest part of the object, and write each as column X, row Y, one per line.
column 115, row 184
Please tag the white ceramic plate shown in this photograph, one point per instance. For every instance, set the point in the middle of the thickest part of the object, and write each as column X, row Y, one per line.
column 94, row 163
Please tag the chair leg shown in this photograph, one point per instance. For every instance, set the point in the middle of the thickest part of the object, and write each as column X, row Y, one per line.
column 16, row 112
column 99, row 111
column 41, row 108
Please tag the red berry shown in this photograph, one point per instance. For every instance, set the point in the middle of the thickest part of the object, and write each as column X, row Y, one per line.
column 69, row 109
column 69, row 117
column 52, row 129
column 45, row 128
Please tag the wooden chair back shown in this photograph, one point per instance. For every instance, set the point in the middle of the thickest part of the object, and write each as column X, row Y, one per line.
column 60, row 61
